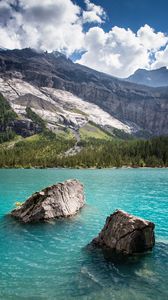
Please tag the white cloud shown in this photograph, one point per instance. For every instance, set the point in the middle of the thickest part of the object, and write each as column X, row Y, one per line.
column 150, row 39
column 5, row 12
column 161, row 59
column 8, row 40
column 94, row 13
column 58, row 25
column 46, row 25
column 120, row 52
column 50, row 11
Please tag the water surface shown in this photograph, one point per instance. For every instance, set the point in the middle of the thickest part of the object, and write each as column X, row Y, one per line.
column 50, row 261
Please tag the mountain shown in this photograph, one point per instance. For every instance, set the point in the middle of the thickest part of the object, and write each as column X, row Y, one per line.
column 11, row 124
column 153, row 78
column 66, row 95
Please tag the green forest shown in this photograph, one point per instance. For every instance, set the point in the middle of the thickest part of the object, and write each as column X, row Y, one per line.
column 48, row 151
column 7, row 115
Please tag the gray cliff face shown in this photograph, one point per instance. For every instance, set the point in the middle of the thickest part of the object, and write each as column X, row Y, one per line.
column 144, row 106
column 149, row 110
column 58, row 201
column 126, row 234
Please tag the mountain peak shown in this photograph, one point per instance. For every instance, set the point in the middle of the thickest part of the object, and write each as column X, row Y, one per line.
column 58, row 54
column 153, row 78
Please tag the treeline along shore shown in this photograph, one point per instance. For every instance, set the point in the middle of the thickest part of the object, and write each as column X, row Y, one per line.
column 43, row 151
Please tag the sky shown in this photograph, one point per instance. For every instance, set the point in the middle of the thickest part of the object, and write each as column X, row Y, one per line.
column 113, row 36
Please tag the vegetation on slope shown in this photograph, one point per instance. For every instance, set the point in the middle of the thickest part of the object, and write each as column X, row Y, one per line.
column 118, row 153
column 92, row 131
column 35, row 118
column 36, row 151
column 48, row 151
column 7, row 115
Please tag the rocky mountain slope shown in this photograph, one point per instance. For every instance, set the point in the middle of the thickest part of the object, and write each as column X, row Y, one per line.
column 68, row 95
column 11, row 124
column 153, row 78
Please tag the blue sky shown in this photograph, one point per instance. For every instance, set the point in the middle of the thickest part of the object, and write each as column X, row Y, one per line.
column 134, row 13
column 112, row 36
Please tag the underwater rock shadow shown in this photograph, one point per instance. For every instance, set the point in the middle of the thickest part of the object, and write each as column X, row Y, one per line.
column 109, row 269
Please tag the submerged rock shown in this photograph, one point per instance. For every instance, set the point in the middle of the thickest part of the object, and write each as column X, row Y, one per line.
column 56, row 201
column 126, row 234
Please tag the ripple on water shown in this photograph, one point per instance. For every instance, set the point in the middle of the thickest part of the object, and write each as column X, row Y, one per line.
column 50, row 260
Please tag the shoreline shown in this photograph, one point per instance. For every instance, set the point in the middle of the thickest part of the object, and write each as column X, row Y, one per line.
column 80, row 168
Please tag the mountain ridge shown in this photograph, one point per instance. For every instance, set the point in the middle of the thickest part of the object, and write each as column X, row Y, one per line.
column 140, row 109
column 153, row 78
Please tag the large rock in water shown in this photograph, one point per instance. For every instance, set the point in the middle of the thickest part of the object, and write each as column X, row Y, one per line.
column 126, row 234
column 60, row 200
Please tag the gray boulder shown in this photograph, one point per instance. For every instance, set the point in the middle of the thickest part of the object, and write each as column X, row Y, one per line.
column 57, row 201
column 126, row 234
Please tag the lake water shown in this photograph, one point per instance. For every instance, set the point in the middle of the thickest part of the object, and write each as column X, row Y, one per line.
column 50, row 261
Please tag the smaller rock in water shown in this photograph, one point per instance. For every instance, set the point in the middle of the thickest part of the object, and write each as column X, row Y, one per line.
column 57, row 201
column 126, row 234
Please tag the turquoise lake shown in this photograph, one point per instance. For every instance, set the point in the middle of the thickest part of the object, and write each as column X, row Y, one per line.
column 50, row 260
